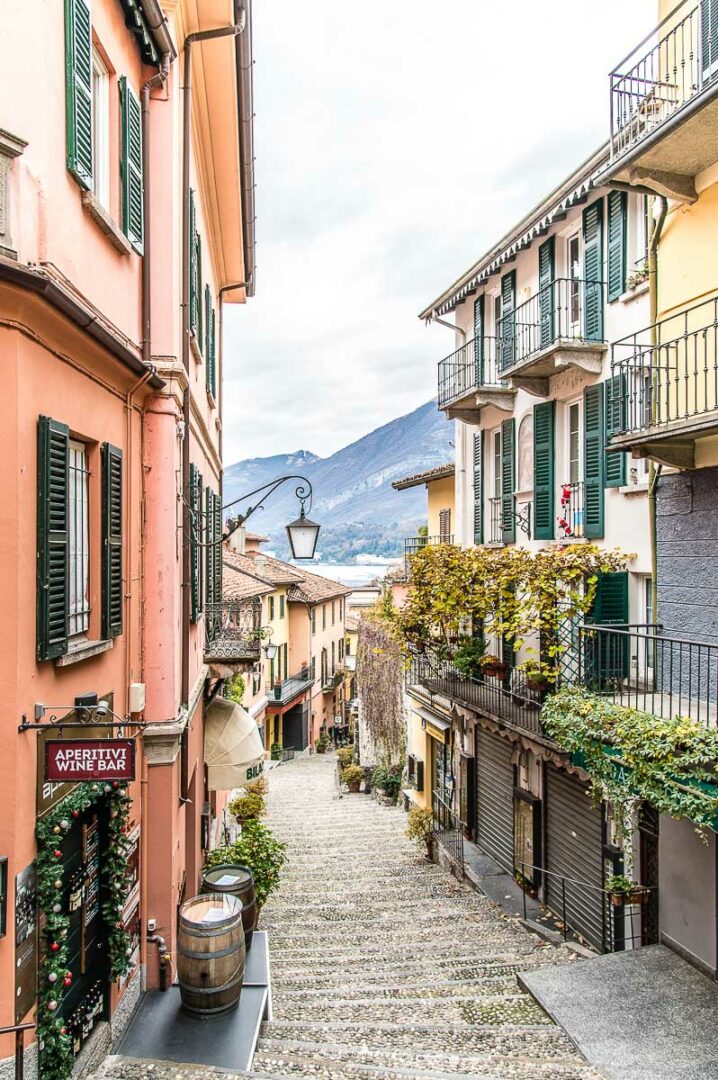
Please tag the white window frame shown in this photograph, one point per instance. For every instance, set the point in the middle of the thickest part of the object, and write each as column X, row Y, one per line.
column 78, row 611
column 578, row 404
column 574, row 236
column 100, row 130
column 496, row 464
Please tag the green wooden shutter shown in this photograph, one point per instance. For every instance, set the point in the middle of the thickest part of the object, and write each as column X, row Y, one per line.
column 478, row 487
column 195, row 488
column 593, row 454
column 53, row 524
column 213, row 340
column 508, row 469
column 593, row 272
column 617, row 229
column 547, row 306
column 217, row 512
column 200, row 312
column 209, row 540
column 193, row 293
column 610, row 604
column 112, row 595
column 614, row 408
column 78, row 90
column 210, row 361
column 606, row 656
column 507, row 343
column 479, row 339
column 544, row 426
column 709, row 39
column 132, row 178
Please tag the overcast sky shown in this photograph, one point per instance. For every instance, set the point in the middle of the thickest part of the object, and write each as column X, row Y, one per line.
column 395, row 142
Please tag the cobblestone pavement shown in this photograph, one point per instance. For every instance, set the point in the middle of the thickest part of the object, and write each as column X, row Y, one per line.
column 385, row 966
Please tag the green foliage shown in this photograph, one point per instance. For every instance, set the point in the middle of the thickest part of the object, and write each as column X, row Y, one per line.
column 345, row 755
column 619, row 883
column 468, row 655
column 276, row 751
column 260, row 786
column 234, row 689
column 258, row 849
column 632, row 755
column 420, row 827
column 510, row 591
column 352, row 773
column 57, row 1056
column 380, row 678
column 388, row 779
column 422, row 530
column 247, row 807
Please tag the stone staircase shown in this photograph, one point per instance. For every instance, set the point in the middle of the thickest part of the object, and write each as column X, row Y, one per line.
column 385, row 966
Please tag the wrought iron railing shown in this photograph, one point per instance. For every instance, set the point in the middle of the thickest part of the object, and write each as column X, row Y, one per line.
column 469, row 367
column 667, row 69
column 566, row 310
column 502, row 693
column 233, row 631
column 448, row 829
column 331, row 681
column 642, row 667
column 412, row 544
column 571, row 516
column 289, row 688
column 666, row 373
column 496, row 523
column 626, row 921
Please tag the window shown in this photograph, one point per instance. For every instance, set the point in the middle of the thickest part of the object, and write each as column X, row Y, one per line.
column 313, row 668
column 285, row 653
column 497, row 314
column 281, row 606
column 574, row 442
column 324, row 666
column 334, row 614
column 324, row 616
column 341, row 649
column 573, row 259
column 341, row 608
column 445, row 526
column 79, row 540
column 313, row 617
column 271, row 608
column 100, row 130
column 496, row 443
column 334, row 658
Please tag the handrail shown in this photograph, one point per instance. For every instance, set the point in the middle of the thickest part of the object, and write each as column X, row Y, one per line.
column 19, row 1032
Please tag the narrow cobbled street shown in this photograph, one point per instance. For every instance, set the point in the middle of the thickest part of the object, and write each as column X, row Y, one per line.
column 383, row 964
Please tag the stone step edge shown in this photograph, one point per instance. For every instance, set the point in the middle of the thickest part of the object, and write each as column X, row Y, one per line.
column 491, row 1057
column 485, row 999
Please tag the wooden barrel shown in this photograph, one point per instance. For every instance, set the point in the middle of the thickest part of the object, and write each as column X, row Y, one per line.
column 237, row 880
column 210, row 954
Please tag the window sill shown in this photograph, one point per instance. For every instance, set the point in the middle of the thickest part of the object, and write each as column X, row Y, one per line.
column 83, row 651
column 100, row 216
column 633, row 294
column 634, row 489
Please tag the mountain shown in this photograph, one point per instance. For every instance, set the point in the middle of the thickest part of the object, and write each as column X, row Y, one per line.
column 354, row 502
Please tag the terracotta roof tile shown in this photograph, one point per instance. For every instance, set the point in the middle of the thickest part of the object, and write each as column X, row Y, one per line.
column 437, row 473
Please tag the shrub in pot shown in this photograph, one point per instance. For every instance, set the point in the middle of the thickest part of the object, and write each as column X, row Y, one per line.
column 352, row 776
column 322, row 743
column 621, row 890
column 388, row 780
column 536, row 678
column 493, row 665
column 276, row 751
column 247, row 807
column 258, row 849
column 420, row 827
column 260, row 786
column 468, row 657
column 345, row 755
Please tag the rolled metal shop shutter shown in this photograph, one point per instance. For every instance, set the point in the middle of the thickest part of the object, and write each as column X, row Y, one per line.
column 574, row 848
column 495, row 798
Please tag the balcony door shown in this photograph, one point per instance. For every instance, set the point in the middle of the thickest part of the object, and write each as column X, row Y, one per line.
column 573, row 265
column 547, row 315
column 479, row 340
column 709, row 40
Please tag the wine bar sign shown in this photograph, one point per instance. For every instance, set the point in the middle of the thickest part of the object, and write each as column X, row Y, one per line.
column 75, row 760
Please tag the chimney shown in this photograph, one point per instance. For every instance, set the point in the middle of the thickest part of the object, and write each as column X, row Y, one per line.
column 237, row 540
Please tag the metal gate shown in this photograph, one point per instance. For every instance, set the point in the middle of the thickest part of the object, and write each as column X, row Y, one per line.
column 574, row 854
column 495, row 798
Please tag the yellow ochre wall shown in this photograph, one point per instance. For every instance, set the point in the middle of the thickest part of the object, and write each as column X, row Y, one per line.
column 688, row 254
column 440, row 497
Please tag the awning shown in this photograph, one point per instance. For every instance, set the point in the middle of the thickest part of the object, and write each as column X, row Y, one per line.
column 233, row 750
column 434, row 725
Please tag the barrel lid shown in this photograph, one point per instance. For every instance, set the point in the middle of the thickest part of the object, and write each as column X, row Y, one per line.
column 228, row 876
column 211, row 909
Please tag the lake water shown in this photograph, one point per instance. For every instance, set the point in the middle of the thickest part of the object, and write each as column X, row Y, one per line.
column 349, row 573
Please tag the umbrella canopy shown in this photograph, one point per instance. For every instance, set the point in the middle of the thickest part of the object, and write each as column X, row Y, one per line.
column 233, row 747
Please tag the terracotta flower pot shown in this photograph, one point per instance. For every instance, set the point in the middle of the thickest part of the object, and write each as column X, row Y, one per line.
column 497, row 671
column 354, row 786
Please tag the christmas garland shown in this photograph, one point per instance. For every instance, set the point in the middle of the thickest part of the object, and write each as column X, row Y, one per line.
column 54, row 1039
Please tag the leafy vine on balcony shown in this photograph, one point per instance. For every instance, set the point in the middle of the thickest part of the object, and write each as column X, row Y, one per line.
column 631, row 755
column 380, row 676
column 509, row 591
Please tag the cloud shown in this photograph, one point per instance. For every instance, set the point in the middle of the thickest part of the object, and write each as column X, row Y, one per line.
column 395, row 144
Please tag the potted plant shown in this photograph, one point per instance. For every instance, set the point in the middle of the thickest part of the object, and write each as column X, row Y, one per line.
column 420, row 827
column 494, row 666
column 536, row 677
column 345, row 755
column 258, row 849
column 352, row 776
column 468, row 657
column 322, row 743
column 247, row 807
column 388, row 780
column 621, row 890
column 276, row 751
column 277, row 687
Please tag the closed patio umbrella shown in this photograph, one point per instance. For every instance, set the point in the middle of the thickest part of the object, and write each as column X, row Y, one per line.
column 233, row 747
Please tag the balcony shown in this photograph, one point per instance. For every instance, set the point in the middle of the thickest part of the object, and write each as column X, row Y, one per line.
column 641, row 667
column 561, row 326
column 468, row 381
column 412, row 544
column 331, row 682
column 664, row 104
column 572, row 514
column 666, row 387
column 233, row 633
column 288, row 689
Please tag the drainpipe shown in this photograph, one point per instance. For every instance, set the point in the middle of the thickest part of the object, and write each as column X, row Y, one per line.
column 653, row 472
column 450, row 326
column 164, row 958
column 189, row 41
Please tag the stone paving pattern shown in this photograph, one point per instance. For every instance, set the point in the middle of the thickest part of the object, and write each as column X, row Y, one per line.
column 383, row 964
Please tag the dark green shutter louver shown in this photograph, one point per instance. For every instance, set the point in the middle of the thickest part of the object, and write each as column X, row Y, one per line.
column 593, row 272
column 218, row 550
column 547, row 307
column 112, row 596
column 193, row 292
column 606, row 656
column 507, row 342
column 709, row 39
column 478, row 488
column 200, row 312
column 132, row 177
column 214, row 354
column 195, row 503
column 78, row 90
column 615, row 404
column 508, row 468
column 593, row 454
column 479, row 340
column 210, row 353
column 53, row 537
column 543, row 470
column 209, row 539
column 617, row 228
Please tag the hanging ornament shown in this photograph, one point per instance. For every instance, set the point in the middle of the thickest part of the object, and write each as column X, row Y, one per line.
column 56, row 830
column 52, row 1005
column 75, row 813
column 57, row 883
column 55, row 946
column 115, row 784
column 57, row 908
column 63, row 1031
column 52, row 977
column 57, row 853
column 67, row 981
column 64, row 824
column 107, row 788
